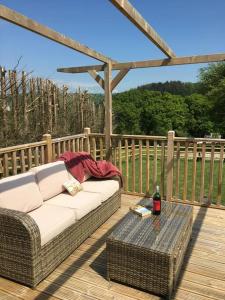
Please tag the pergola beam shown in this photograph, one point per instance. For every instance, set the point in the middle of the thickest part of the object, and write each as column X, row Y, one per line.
column 29, row 24
column 185, row 60
column 116, row 80
column 97, row 78
column 81, row 69
column 135, row 17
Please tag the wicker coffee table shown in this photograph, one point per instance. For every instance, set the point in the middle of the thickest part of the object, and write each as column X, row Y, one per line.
column 147, row 253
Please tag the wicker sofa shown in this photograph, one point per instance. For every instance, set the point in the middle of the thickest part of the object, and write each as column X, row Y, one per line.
column 41, row 224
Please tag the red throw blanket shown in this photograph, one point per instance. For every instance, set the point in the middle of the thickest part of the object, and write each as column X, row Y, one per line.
column 79, row 163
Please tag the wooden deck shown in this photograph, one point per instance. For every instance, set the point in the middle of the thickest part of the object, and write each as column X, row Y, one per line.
column 83, row 274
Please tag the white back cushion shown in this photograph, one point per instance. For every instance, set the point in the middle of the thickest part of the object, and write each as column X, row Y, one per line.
column 20, row 192
column 50, row 178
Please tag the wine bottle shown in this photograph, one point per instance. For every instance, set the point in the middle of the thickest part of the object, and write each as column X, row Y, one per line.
column 157, row 202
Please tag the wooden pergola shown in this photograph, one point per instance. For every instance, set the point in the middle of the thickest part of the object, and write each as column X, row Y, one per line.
column 108, row 83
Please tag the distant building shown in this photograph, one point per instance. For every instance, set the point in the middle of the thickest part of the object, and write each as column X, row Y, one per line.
column 213, row 135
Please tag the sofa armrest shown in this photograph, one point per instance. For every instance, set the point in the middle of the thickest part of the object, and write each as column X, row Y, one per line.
column 20, row 247
column 19, row 233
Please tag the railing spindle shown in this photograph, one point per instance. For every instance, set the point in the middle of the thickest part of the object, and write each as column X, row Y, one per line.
column 120, row 155
column 58, row 149
column 22, row 161
column 114, row 155
column 6, row 164
column 202, row 179
column 14, row 163
column 101, row 148
column 194, row 164
column 94, row 147
column 147, row 167
column 53, row 152
column 155, row 166
column 220, row 176
column 63, row 146
column 68, row 147
column 36, row 156
column 43, row 154
column 162, row 177
column 29, row 158
column 185, row 171
column 82, row 144
column 73, row 146
column 211, row 171
column 133, row 165
column 77, row 145
column 177, row 171
column 127, row 166
column 140, row 166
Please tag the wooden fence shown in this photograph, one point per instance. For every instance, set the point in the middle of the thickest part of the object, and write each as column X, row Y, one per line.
column 31, row 106
column 188, row 170
column 19, row 159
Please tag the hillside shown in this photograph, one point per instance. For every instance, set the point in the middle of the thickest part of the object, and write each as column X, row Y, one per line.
column 173, row 87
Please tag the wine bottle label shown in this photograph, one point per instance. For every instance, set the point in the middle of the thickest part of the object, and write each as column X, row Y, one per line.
column 157, row 206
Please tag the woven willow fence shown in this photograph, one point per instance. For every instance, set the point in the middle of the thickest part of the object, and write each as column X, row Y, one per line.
column 31, row 107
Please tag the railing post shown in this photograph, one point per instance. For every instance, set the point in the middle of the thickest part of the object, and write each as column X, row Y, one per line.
column 48, row 149
column 87, row 147
column 169, row 165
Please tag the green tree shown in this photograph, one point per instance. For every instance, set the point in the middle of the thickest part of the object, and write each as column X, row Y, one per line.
column 162, row 113
column 126, row 112
column 199, row 110
column 217, row 96
column 212, row 78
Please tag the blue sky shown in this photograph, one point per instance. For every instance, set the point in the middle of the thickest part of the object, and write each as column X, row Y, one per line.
column 189, row 27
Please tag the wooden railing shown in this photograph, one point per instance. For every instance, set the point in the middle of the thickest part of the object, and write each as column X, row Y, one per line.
column 142, row 162
column 188, row 170
column 74, row 143
column 137, row 157
column 198, row 171
column 97, row 145
column 19, row 159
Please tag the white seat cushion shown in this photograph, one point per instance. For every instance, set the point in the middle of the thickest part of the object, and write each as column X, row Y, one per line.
column 20, row 192
column 52, row 220
column 81, row 204
column 50, row 178
column 105, row 187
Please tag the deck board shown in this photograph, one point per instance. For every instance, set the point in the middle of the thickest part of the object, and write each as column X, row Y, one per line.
column 83, row 274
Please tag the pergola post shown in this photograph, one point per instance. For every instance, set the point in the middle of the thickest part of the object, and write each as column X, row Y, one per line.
column 108, row 108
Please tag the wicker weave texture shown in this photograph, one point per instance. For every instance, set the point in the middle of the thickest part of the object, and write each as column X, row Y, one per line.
column 141, row 259
column 137, row 267
column 21, row 257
